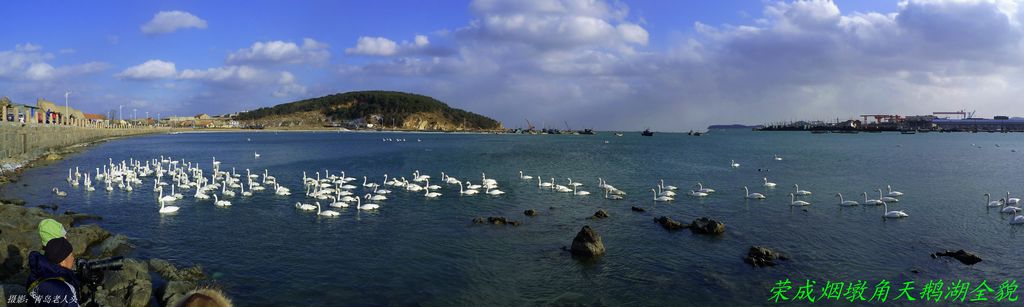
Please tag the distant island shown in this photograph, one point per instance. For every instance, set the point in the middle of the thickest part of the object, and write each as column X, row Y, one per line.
column 369, row 110
column 733, row 126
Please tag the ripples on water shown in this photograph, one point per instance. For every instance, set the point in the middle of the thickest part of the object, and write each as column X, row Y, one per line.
column 415, row 250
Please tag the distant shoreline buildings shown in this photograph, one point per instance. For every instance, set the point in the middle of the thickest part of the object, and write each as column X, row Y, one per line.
column 962, row 122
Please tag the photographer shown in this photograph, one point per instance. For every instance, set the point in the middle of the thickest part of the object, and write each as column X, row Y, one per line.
column 51, row 279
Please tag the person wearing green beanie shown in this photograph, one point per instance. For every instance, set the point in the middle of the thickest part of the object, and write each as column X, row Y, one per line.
column 50, row 229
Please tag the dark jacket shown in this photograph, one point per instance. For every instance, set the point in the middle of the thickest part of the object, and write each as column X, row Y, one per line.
column 41, row 268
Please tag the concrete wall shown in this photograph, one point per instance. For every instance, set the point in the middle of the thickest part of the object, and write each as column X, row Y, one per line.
column 33, row 141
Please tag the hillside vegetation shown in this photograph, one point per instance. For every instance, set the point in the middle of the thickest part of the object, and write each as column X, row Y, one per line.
column 393, row 110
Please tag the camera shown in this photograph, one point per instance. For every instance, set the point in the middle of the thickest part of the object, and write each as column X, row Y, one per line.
column 90, row 274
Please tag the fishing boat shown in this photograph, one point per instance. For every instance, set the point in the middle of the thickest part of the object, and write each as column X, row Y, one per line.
column 587, row 131
column 647, row 132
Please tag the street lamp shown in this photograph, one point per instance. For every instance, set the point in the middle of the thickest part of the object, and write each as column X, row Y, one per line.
column 67, row 94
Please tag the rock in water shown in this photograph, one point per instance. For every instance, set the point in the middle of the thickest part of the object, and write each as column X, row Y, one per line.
column 116, row 245
column 530, row 212
column 600, row 214
column 495, row 220
column 668, row 223
column 587, row 243
column 760, row 256
column 966, row 257
column 707, row 226
column 637, row 209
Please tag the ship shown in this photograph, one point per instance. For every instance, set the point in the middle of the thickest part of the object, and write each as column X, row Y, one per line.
column 647, row 132
column 587, row 131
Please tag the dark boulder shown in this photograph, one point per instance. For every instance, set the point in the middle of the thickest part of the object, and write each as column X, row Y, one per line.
column 530, row 212
column 966, row 257
column 495, row 220
column 116, row 245
column 760, row 256
column 587, row 243
column 51, row 207
column 707, row 226
column 637, row 209
column 600, row 214
column 668, row 223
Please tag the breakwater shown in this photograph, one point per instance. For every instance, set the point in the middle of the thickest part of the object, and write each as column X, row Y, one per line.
column 28, row 142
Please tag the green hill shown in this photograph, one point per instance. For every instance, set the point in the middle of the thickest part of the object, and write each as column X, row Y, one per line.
column 392, row 110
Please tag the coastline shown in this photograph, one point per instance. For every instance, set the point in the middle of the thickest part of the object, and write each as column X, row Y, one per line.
column 131, row 286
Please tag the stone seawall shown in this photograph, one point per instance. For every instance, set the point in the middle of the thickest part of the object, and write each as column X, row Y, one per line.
column 27, row 143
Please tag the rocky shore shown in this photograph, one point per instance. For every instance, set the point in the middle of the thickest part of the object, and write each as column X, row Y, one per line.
column 131, row 286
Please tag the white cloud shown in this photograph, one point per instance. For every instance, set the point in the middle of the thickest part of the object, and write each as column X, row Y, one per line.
column 233, row 74
column 169, row 21
column 584, row 61
column 374, row 46
column 28, row 62
column 381, row 46
column 288, row 86
column 152, row 69
column 311, row 51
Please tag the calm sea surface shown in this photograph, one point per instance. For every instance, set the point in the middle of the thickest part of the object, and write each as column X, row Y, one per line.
column 427, row 251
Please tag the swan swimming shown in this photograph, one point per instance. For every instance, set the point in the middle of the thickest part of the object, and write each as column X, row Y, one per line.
column 886, row 198
column 303, row 207
column 768, row 184
column 701, row 188
column 524, row 177
column 749, row 195
column 867, row 201
column 846, row 202
column 893, row 214
column 733, row 163
column 660, row 198
column 167, row 209
column 579, row 193
column 220, row 203
column 794, row 202
column 893, row 193
column 361, row 206
column 327, row 213
column 799, row 191
column 612, row 197
column 992, row 203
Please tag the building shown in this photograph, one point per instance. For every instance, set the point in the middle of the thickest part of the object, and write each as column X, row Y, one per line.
column 997, row 124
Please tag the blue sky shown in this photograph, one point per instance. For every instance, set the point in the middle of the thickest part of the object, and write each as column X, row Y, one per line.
column 670, row 65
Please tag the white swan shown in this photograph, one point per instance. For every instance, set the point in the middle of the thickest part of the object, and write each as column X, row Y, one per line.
column 1017, row 219
column 660, row 198
column 893, row 214
column 59, row 192
column 794, row 202
column 777, row 158
column 168, row 209
column 541, row 184
column 327, row 213
column 733, row 163
column 574, row 184
column 525, row 177
column 494, row 192
column 167, row 198
column 1011, row 200
column 661, row 183
column 665, row 193
column 768, row 184
column 895, row 193
column 886, row 198
column 369, row 185
column 846, row 202
column 698, row 194
column 361, row 206
column 992, row 203
column 466, row 192
column 338, row 203
column 747, row 194
column 220, row 203
column 799, row 191
column 430, row 194
column 579, row 193
column 874, row 202
column 701, row 188
column 303, row 207
column 612, row 197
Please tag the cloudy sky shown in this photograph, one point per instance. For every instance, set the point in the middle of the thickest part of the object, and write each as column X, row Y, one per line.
column 668, row 65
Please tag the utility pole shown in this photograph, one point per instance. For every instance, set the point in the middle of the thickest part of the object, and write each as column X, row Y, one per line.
column 67, row 94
